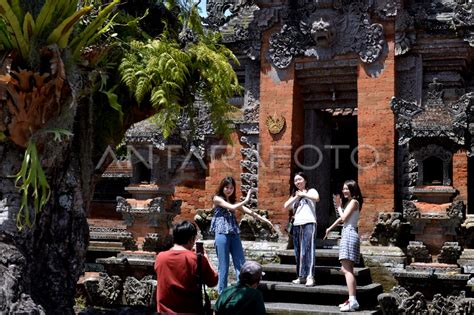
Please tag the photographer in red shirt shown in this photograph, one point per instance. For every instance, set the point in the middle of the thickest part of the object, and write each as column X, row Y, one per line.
column 176, row 272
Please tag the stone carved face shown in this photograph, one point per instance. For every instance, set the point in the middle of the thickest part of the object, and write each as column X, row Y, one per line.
column 323, row 33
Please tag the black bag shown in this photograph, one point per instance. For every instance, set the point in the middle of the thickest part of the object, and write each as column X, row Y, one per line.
column 202, row 293
column 289, row 226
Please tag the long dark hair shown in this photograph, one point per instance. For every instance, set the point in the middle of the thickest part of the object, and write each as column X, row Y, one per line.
column 228, row 180
column 355, row 193
column 293, row 187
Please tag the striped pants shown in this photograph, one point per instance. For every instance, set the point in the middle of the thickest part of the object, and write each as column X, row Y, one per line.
column 304, row 239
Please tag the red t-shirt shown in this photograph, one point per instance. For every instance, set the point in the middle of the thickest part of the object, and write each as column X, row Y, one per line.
column 176, row 272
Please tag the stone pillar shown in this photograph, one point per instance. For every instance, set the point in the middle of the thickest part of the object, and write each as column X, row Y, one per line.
column 278, row 96
column 376, row 133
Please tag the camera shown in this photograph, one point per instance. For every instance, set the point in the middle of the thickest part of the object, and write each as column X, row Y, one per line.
column 199, row 247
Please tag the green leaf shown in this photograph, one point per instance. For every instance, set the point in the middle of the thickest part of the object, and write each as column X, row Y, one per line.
column 84, row 38
column 31, row 182
column 61, row 33
column 14, row 28
column 112, row 97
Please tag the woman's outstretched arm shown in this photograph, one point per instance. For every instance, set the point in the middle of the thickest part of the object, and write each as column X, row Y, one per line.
column 248, row 211
column 221, row 202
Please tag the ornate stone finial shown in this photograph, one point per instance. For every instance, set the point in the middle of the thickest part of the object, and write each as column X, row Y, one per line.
column 275, row 124
column 450, row 253
column 418, row 252
column 409, row 210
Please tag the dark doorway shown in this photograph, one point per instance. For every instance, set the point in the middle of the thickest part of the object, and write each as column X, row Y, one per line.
column 344, row 157
column 331, row 142
column 432, row 171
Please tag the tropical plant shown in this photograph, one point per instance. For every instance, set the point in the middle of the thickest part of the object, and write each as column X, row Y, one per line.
column 25, row 32
column 35, row 34
column 171, row 72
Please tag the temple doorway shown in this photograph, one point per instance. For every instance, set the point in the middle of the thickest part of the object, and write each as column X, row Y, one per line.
column 328, row 90
column 330, row 156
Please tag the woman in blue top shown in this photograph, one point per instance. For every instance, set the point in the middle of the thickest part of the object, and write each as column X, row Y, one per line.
column 226, row 230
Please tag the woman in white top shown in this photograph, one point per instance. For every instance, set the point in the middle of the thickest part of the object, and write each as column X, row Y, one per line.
column 303, row 202
column 349, row 248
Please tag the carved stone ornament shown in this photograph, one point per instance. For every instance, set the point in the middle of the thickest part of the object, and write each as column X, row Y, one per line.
column 405, row 34
column 445, row 17
column 399, row 301
column 450, row 253
column 139, row 292
column 275, row 124
column 409, row 210
column 325, row 32
column 434, row 118
column 388, row 229
column 456, row 210
column 104, row 290
column 418, row 252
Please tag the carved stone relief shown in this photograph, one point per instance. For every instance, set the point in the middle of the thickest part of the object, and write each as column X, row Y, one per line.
column 450, row 253
column 399, row 301
column 434, row 118
column 418, row 252
column 408, row 172
column 389, row 229
column 405, row 35
column 139, row 292
column 410, row 78
column 326, row 32
column 104, row 290
column 409, row 210
column 445, row 17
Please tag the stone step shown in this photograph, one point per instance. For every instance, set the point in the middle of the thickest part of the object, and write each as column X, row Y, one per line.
column 300, row 309
column 323, row 274
column 324, row 256
column 329, row 294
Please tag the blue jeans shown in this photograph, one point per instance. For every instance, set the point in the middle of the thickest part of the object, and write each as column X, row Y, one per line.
column 304, row 237
column 225, row 244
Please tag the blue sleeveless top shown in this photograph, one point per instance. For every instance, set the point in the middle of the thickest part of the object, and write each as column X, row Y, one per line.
column 224, row 222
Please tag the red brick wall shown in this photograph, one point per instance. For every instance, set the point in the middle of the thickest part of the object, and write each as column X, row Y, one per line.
column 460, row 174
column 224, row 161
column 278, row 95
column 376, row 130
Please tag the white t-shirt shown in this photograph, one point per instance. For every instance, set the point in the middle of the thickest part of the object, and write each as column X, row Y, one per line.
column 353, row 220
column 304, row 210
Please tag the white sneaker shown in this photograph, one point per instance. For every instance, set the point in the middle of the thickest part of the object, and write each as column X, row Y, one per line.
column 342, row 304
column 310, row 281
column 296, row 281
column 350, row 307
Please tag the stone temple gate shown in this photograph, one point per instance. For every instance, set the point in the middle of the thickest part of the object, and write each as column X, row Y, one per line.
column 375, row 90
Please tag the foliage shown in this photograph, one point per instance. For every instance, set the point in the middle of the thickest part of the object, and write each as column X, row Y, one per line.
column 31, row 179
column 171, row 74
column 26, row 32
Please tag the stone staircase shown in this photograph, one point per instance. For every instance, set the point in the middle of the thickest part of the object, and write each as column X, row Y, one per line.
column 283, row 297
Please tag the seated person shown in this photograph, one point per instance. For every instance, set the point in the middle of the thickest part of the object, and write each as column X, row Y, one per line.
column 244, row 297
column 176, row 272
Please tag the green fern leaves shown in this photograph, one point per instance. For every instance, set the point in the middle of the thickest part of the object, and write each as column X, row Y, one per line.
column 171, row 77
